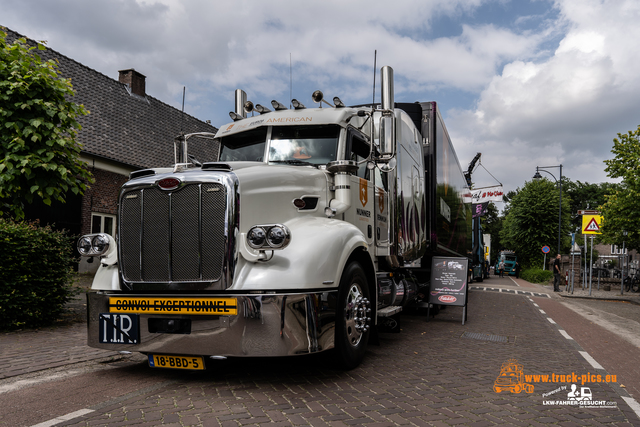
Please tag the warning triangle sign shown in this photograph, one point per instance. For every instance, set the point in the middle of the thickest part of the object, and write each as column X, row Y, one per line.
column 592, row 226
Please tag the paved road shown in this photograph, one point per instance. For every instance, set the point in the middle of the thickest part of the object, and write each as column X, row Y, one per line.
column 432, row 373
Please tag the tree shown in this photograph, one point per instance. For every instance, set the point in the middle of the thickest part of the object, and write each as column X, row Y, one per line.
column 39, row 154
column 586, row 196
column 532, row 221
column 620, row 211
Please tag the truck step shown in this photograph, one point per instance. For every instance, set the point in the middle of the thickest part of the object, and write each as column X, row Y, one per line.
column 389, row 311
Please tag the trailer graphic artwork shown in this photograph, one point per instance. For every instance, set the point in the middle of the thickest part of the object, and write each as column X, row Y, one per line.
column 512, row 378
column 276, row 245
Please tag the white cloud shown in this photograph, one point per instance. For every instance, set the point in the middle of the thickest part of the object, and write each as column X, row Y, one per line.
column 564, row 109
column 247, row 43
column 554, row 93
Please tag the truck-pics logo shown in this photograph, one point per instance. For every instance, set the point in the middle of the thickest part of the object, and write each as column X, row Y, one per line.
column 511, row 378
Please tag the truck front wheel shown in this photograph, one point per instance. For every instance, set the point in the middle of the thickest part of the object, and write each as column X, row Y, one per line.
column 353, row 317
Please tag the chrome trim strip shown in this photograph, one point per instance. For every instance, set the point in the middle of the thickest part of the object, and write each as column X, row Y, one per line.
column 266, row 325
column 231, row 230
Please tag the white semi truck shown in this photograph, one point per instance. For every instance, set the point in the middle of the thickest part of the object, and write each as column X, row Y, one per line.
column 311, row 227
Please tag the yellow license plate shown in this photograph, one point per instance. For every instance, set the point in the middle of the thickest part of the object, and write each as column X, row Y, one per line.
column 162, row 305
column 176, row 362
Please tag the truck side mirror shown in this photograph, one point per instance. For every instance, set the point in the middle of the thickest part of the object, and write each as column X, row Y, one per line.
column 387, row 135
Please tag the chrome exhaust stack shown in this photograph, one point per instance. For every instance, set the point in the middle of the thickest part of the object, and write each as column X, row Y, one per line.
column 241, row 100
column 386, row 78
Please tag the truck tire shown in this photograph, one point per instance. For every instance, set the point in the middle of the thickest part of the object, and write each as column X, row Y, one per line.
column 353, row 317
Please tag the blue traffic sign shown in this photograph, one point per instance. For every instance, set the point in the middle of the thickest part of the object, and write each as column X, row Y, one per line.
column 546, row 249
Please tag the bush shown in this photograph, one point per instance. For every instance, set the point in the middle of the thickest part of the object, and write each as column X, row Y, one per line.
column 536, row 275
column 35, row 271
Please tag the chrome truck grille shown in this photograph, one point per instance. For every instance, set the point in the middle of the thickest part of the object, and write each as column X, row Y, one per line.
column 173, row 237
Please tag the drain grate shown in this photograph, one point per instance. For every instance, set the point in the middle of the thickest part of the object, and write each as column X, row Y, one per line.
column 485, row 337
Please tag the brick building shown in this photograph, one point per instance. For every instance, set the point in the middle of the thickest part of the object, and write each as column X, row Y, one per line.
column 125, row 130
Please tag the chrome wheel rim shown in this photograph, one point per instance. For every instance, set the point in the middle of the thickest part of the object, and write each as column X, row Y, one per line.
column 356, row 315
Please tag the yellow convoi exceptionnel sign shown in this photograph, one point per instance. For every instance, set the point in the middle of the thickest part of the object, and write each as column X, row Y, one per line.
column 161, row 305
column 591, row 224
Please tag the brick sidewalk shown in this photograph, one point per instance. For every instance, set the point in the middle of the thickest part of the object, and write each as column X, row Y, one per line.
column 36, row 350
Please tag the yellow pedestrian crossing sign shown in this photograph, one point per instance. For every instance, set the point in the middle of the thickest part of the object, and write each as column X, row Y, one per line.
column 591, row 224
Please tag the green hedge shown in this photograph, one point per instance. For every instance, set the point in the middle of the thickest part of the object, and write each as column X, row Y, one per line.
column 536, row 275
column 35, row 271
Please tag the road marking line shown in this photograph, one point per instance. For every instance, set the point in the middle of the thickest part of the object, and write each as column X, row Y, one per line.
column 551, row 320
column 542, row 311
column 24, row 383
column 514, row 282
column 62, row 418
column 633, row 404
column 534, row 303
column 565, row 334
column 591, row 360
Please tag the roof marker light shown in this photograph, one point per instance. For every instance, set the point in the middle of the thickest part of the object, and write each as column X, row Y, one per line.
column 338, row 102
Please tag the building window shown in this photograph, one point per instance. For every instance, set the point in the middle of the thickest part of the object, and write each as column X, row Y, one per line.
column 103, row 223
column 615, row 250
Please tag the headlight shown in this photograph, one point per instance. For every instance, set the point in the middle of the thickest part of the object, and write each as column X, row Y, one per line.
column 276, row 237
column 256, row 237
column 266, row 237
column 93, row 244
column 100, row 244
column 84, row 245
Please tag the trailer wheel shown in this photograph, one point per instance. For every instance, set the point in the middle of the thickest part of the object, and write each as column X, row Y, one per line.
column 353, row 317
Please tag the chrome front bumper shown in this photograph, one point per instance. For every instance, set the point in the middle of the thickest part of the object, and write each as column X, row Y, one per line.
column 265, row 325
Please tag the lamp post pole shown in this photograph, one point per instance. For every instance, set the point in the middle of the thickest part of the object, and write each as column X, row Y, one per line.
column 538, row 176
column 624, row 233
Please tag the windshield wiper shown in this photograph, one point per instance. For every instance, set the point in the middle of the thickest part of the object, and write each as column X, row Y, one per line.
column 293, row 162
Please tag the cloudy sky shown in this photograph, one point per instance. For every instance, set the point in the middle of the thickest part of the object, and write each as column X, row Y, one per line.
column 526, row 83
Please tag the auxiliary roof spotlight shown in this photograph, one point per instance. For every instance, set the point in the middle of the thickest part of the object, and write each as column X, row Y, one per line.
column 235, row 116
column 278, row 106
column 297, row 104
column 260, row 109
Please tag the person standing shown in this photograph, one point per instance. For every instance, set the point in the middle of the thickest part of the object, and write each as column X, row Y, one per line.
column 556, row 274
column 501, row 268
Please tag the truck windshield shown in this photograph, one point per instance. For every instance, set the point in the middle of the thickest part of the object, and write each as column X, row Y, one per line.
column 244, row 146
column 304, row 145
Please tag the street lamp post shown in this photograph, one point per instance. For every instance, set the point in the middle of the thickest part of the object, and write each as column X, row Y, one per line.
column 624, row 233
column 538, row 176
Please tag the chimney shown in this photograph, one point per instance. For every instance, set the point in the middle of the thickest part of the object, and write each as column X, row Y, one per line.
column 134, row 80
